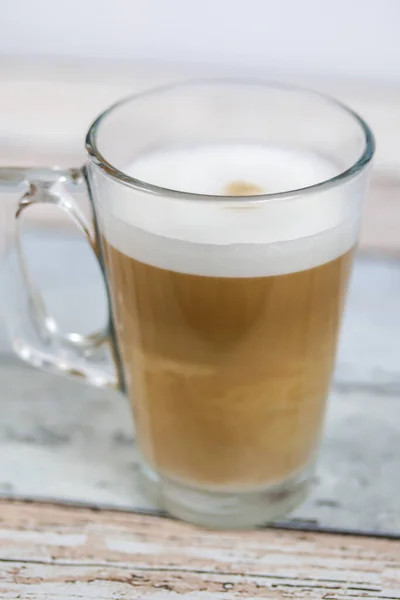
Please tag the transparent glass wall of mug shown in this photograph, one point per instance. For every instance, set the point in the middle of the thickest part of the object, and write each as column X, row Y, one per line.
column 35, row 334
column 226, row 304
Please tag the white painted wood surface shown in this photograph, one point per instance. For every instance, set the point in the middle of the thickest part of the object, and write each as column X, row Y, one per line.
column 49, row 552
column 62, row 440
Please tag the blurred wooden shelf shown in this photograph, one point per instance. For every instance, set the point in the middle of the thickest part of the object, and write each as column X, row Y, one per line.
column 380, row 230
column 46, row 108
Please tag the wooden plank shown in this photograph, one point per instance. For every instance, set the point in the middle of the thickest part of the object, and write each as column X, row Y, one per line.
column 48, row 552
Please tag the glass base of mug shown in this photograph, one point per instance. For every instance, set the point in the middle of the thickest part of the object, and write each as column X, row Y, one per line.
column 230, row 510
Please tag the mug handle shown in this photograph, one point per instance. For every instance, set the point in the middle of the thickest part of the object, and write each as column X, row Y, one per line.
column 35, row 334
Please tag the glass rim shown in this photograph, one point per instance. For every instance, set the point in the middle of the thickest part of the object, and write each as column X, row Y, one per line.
column 98, row 158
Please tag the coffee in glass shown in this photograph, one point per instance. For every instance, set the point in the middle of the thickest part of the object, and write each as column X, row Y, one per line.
column 225, row 217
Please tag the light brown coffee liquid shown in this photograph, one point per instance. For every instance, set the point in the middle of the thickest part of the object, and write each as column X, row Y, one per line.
column 227, row 376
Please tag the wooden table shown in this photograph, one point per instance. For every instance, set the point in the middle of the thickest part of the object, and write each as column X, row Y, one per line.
column 71, row 443
column 87, row 531
column 51, row 552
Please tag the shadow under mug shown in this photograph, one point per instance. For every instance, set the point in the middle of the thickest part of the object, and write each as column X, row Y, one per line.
column 225, row 305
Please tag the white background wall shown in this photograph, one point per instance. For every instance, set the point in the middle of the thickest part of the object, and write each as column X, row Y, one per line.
column 356, row 38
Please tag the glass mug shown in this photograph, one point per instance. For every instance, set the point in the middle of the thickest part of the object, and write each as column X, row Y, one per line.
column 225, row 217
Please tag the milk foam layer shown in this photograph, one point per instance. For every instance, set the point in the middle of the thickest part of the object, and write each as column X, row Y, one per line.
column 231, row 238
column 208, row 169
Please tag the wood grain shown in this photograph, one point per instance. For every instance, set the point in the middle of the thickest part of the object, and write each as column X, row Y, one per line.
column 49, row 551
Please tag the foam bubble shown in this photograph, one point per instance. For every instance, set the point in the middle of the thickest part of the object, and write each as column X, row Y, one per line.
column 230, row 239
